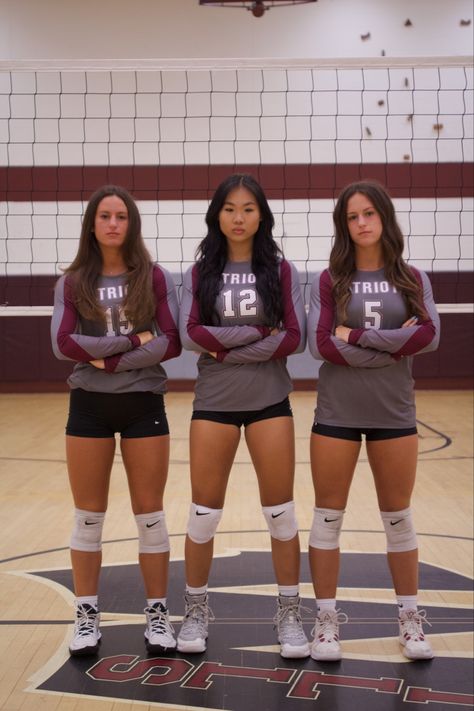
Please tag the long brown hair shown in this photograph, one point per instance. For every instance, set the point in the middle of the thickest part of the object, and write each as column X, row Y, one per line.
column 139, row 303
column 342, row 264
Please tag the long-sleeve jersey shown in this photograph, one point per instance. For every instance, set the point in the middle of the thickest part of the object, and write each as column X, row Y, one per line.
column 129, row 366
column 249, row 371
column 368, row 382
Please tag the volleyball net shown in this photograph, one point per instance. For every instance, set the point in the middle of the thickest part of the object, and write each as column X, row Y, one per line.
column 171, row 135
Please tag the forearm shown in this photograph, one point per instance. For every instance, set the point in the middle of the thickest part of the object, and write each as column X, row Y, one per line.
column 198, row 337
column 399, row 341
column 155, row 351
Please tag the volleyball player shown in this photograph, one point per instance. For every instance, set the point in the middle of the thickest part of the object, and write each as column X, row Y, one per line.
column 369, row 314
column 115, row 314
column 242, row 310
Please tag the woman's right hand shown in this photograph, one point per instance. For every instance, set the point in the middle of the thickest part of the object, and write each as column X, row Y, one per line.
column 145, row 337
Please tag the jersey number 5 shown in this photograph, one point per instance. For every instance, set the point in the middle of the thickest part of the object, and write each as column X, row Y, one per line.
column 373, row 314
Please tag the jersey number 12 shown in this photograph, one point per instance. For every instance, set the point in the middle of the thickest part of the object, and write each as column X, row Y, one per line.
column 246, row 305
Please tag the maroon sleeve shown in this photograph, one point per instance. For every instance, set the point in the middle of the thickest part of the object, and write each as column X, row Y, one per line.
column 196, row 336
column 292, row 336
column 67, row 341
column 422, row 337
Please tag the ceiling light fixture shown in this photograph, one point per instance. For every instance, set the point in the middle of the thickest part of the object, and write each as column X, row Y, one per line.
column 256, row 7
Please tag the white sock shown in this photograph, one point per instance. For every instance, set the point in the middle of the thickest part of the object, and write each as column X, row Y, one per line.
column 88, row 600
column 153, row 600
column 196, row 591
column 288, row 590
column 407, row 602
column 326, row 605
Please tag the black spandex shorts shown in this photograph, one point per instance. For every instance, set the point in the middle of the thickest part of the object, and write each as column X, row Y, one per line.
column 245, row 417
column 137, row 414
column 355, row 433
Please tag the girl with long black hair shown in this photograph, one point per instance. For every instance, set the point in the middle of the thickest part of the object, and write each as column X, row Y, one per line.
column 242, row 310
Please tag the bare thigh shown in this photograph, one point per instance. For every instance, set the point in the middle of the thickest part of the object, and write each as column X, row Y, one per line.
column 333, row 462
column 212, row 450
column 89, row 463
column 146, row 463
column 271, row 445
column 393, row 464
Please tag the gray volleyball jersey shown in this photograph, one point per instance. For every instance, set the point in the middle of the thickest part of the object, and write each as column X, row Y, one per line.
column 368, row 381
column 129, row 366
column 249, row 372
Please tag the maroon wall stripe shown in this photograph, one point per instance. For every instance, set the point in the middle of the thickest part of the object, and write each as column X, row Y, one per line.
column 197, row 182
column 34, row 290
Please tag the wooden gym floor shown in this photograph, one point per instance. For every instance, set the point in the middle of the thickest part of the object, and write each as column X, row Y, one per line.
column 241, row 668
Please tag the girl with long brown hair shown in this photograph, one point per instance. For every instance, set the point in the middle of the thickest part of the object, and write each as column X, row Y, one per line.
column 116, row 314
column 370, row 313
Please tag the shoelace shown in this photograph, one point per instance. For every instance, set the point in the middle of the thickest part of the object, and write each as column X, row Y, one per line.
column 287, row 615
column 200, row 612
column 328, row 622
column 159, row 622
column 412, row 623
column 85, row 621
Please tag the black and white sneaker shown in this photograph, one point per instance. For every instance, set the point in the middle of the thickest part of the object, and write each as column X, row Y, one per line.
column 159, row 632
column 86, row 637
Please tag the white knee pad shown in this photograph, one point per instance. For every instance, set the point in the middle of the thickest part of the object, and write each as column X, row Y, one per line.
column 326, row 528
column 400, row 531
column 281, row 521
column 152, row 532
column 87, row 531
column 202, row 523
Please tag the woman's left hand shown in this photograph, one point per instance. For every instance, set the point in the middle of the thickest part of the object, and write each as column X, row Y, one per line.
column 99, row 363
column 343, row 333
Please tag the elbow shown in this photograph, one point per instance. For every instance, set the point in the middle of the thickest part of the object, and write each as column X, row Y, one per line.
column 433, row 342
column 188, row 335
column 436, row 336
column 433, row 345
column 177, row 350
column 60, row 350
column 297, row 340
column 184, row 340
column 315, row 350
column 301, row 346
column 173, row 351
column 60, row 355
column 291, row 344
column 187, row 344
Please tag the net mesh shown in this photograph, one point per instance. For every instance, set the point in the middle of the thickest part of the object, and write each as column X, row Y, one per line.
column 171, row 135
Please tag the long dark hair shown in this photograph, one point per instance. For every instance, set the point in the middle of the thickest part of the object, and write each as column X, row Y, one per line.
column 139, row 303
column 212, row 254
column 342, row 264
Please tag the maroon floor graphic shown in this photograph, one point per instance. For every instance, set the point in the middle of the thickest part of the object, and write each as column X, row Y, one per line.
column 232, row 677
